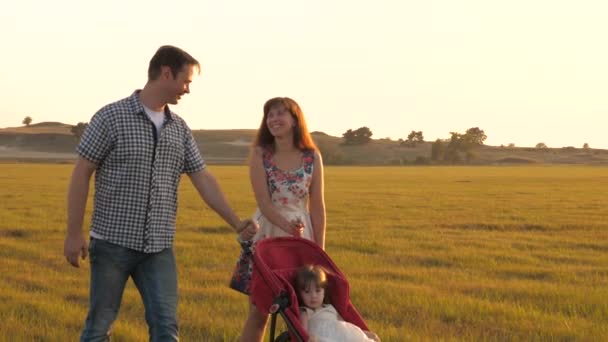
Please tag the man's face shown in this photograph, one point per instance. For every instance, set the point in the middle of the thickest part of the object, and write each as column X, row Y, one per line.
column 179, row 85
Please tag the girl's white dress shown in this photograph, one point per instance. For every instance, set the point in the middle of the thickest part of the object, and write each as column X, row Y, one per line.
column 326, row 325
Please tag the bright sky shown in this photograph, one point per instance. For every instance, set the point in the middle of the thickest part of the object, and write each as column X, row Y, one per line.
column 524, row 71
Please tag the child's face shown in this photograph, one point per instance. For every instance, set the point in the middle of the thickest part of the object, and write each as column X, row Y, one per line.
column 312, row 296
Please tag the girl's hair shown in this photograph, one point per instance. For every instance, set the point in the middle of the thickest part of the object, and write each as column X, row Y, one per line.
column 301, row 136
column 309, row 274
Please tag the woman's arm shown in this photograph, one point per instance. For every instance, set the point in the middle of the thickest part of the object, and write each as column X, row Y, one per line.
column 317, row 201
column 259, row 183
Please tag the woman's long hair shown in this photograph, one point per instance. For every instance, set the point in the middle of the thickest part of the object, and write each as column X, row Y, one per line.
column 301, row 137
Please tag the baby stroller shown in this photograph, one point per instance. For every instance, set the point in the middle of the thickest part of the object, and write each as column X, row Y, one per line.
column 276, row 261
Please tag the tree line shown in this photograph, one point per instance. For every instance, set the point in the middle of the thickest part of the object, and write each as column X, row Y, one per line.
column 457, row 148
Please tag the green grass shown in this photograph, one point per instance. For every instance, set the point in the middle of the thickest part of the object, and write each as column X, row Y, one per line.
column 431, row 253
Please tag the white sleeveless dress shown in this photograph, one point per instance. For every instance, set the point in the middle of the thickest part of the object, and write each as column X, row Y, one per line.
column 325, row 324
column 289, row 194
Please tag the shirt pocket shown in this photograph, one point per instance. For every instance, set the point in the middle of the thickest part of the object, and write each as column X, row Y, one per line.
column 172, row 149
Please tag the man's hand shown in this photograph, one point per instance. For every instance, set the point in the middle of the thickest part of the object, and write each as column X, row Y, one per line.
column 247, row 229
column 75, row 246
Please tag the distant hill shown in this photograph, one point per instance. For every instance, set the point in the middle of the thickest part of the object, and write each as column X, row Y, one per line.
column 38, row 128
column 53, row 141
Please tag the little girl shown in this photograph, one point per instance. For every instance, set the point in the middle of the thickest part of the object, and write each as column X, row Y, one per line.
column 320, row 319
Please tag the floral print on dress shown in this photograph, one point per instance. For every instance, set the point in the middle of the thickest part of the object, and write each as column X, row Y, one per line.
column 289, row 187
column 241, row 276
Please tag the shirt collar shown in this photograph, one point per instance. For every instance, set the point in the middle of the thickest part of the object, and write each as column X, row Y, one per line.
column 138, row 108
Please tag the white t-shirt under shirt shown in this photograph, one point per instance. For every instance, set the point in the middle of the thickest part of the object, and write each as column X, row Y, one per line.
column 158, row 118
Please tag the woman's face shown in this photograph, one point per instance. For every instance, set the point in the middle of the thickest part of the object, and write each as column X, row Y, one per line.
column 312, row 296
column 279, row 121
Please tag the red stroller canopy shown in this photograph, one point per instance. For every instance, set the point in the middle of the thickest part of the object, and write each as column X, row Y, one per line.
column 276, row 261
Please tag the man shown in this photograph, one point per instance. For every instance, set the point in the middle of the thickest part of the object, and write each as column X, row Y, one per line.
column 138, row 148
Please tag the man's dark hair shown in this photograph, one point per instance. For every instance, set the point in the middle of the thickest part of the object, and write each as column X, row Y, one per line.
column 173, row 57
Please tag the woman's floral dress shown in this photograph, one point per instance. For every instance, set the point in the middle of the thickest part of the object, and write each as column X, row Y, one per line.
column 289, row 194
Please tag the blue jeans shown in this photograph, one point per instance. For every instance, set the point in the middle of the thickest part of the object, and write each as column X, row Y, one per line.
column 155, row 276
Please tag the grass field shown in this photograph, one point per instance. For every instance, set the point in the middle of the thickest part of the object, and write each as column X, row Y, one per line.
column 431, row 253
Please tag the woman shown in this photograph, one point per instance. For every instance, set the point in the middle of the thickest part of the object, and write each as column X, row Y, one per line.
column 286, row 172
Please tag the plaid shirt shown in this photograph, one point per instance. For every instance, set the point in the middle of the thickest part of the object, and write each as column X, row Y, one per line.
column 137, row 174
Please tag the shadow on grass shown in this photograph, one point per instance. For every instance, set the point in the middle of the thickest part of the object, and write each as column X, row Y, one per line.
column 15, row 233
column 499, row 227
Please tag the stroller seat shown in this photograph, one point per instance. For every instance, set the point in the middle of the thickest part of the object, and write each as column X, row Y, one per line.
column 276, row 261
